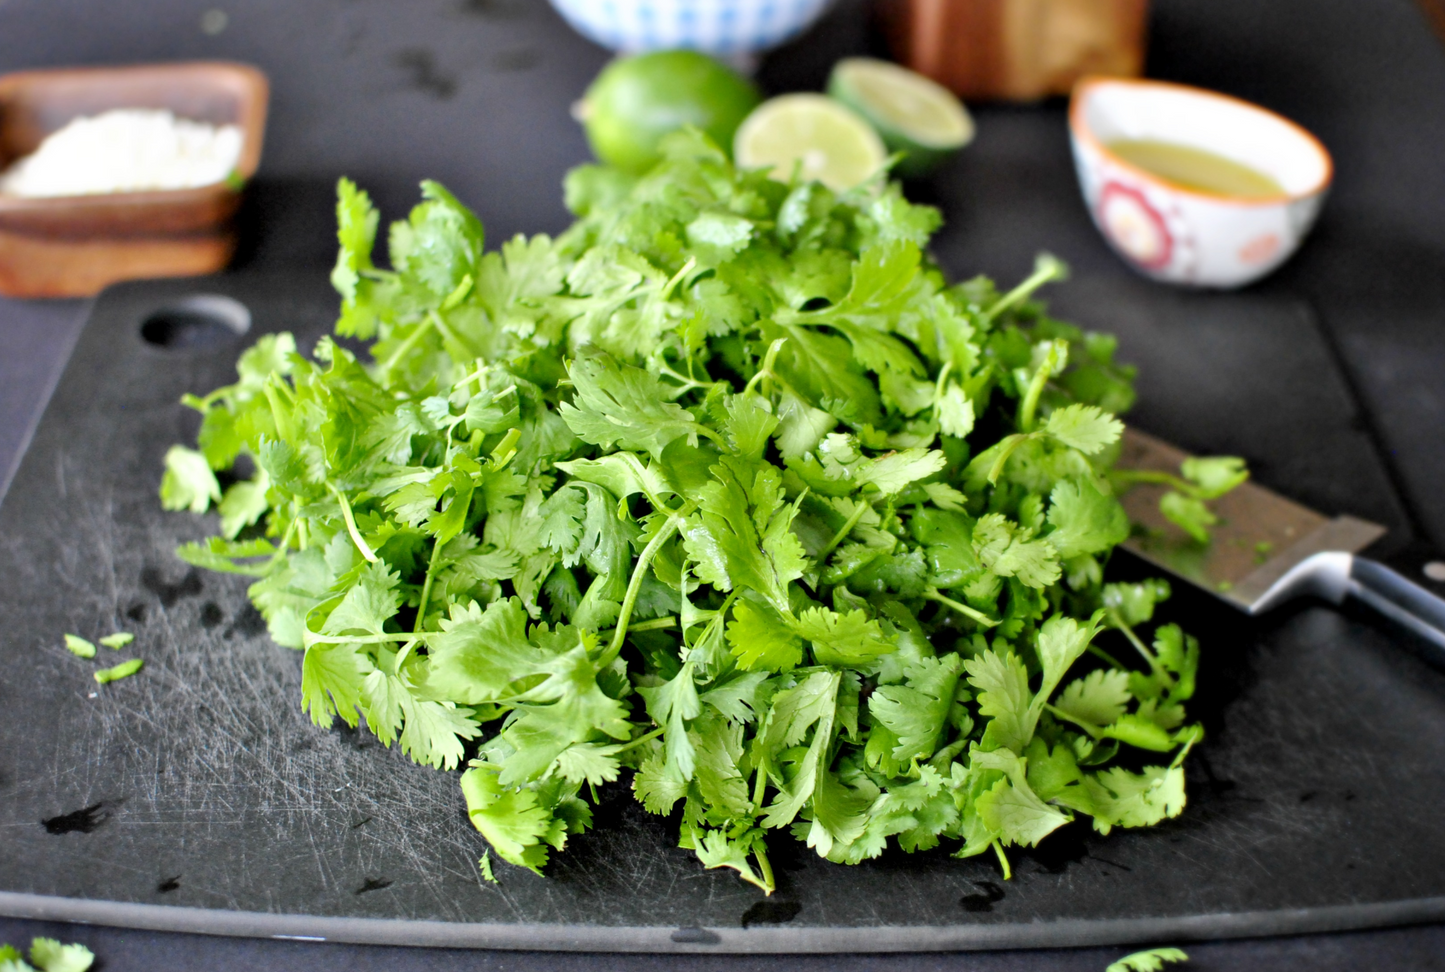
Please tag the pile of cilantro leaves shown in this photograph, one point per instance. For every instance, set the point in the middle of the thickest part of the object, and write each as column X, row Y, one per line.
column 725, row 488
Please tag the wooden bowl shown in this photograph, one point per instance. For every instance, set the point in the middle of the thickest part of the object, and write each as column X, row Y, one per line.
column 73, row 246
column 1016, row 50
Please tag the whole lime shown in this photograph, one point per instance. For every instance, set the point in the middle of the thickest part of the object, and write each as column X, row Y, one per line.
column 635, row 101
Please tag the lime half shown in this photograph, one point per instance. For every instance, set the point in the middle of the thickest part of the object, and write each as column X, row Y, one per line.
column 912, row 113
column 825, row 140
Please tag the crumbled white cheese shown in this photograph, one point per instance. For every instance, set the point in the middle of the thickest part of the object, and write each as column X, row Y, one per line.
column 125, row 150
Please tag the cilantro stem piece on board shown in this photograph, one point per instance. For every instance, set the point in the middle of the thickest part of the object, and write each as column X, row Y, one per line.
column 77, row 645
column 1149, row 960
column 725, row 494
column 124, row 670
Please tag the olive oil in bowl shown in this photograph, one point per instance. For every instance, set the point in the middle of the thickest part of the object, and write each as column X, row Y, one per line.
column 1196, row 169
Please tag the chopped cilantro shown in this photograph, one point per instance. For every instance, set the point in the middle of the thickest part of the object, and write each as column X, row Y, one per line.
column 725, row 489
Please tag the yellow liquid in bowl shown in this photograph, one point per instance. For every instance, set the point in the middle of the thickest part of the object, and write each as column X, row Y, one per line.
column 1196, row 169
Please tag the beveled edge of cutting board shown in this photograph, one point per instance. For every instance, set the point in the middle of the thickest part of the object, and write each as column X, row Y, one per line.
column 1069, row 933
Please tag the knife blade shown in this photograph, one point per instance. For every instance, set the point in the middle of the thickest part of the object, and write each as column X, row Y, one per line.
column 1267, row 550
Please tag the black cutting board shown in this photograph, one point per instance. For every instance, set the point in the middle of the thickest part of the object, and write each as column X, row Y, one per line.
column 196, row 796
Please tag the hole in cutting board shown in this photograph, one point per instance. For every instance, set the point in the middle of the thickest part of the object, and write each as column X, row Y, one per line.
column 199, row 322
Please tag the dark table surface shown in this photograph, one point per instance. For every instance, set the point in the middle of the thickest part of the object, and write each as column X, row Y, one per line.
column 475, row 93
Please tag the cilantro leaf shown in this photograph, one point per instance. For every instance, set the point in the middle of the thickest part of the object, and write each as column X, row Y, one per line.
column 761, row 640
column 622, row 404
column 917, row 711
column 1085, row 520
column 1119, row 798
column 657, row 789
column 1098, row 698
column 1087, row 428
column 1189, row 514
column 48, row 955
column 715, row 850
column 480, row 654
column 332, row 677
column 847, row 640
column 513, row 821
column 671, row 705
column 811, row 704
column 356, row 221
column 740, row 534
column 1008, row 550
column 188, row 483
column 1214, row 475
column 1004, row 697
column 1010, row 808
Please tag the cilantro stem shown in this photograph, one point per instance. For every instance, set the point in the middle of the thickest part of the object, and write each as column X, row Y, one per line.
column 1088, row 727
column 944, row 756
column 760, row 784
column 852, row 521
column 1134, row 640
column 671, row 285
column 938, row 385
column 1053, row 360
column 1132, row 476
column 656, row 624
column 645, row 737
column 1003, row 861
column 764, row 865
column 1196, row 735
column 766, row 371
column 284, row 547
column 405, row 347
column 932, row 594
column 1101, row 653
column 688, row 383
column 279, row 414
column 634, row 586
column 381, row 639
column 356, row 537
column 1046, row 269
column 1007, row 447
column 716, row 437
column 456, row 339
column 431, row 567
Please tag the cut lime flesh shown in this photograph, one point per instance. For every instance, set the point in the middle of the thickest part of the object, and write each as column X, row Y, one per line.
column 824, row 140
column 913, row 114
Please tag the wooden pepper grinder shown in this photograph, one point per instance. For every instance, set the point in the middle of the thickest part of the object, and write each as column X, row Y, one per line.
column 1017, row 50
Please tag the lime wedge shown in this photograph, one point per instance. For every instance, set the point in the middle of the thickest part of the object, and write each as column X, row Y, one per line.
column 912, row 113
column 825, row 140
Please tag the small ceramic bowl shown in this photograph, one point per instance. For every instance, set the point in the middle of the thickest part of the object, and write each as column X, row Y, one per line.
column 73, row 246
column 732, row 30
column 1185, row 236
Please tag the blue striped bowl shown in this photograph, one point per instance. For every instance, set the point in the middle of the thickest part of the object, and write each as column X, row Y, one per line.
column 722, row 28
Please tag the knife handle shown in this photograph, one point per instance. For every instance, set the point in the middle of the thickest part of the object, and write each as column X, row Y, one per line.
column 1402, row 601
